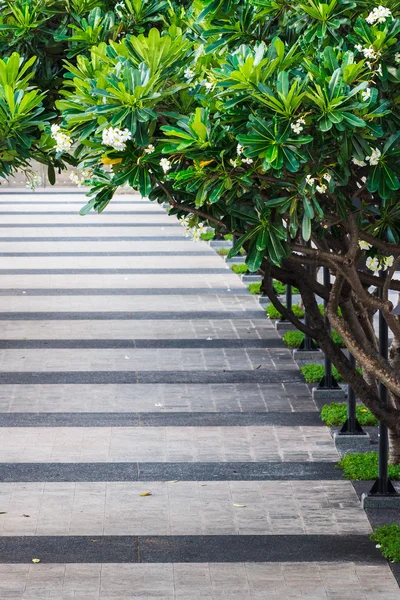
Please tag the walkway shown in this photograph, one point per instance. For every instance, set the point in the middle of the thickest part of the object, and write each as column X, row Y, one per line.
column 157, row 441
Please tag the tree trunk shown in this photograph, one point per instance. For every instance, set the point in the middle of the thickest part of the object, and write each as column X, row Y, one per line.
column 394, row 448
column 394, row 438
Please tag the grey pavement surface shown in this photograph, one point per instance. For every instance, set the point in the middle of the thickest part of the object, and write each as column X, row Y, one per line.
column 157, row 441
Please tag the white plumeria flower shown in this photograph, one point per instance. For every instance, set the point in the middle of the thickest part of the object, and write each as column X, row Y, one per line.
column 375, row 156
column 388, row 261
column 327, row 177
column 116, row 138
column 358, row 47
column 364, row 245
column 150, row 149
column 397, row 57
column 239, row 149
column 208, row 84
column 63, row 140
column 165, row 164
column 234, row 162
column 188, row 73
column 309, row 180
column 378, row 15
column 33, row 182
column 119, row 5
column 373, row 264
column 321, row 188
column 379, row 70
column 359, row 163
column 184, row 221
column 248, row 161
column 297, row 128
column 366, row 94
column 378, row 546
column 301, row 120
column 370, row 52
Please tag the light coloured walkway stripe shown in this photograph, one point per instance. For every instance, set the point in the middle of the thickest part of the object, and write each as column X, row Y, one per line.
column 107, row 280
column 106, row 303
column 182, row 508
column 112, row 262
column 155, row 398
column 188, row 581
column 170, row 444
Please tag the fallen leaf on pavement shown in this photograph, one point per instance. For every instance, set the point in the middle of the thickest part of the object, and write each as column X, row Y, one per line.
column 239, row 505
column 35, row 560
column 146, row 494
column 25, row 515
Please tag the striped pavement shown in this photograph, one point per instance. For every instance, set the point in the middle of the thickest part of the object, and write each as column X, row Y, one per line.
column 157, row 441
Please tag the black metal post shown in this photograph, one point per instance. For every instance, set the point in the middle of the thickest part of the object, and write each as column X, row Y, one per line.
column 383, row 486
column 351, row 426
column 288, row 303
column 328, row 382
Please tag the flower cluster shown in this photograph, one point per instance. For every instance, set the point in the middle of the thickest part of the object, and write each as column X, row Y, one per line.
column 369, row 52
column 193, row 232
column 33, row 182
column 366, row 94
column 239, row 151
column 379, row 263
column 297, row 126
column 116, row 138
column 364, row 245
column 79, row 178
column 188, row 73
column 165, row 164
column 375, row 156
column 378, row 15
column 120, row 6
column 63, row 141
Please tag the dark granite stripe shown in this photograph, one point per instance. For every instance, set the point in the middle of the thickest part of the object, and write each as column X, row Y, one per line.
column 162, row 419
column 132, row 377
column 242, row 291
column 185, row 549
column 116, row 271
column 86, row 225
column 169, row 471
column 101, row 238
column 274, row 342
column 131, row 316
column 150, row 253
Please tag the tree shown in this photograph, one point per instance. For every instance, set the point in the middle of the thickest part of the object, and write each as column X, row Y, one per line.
column 278, row 123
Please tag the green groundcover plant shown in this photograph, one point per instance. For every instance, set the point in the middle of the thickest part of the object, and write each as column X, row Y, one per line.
column 277, row 123
column 335, row 414
column 293, row 339
column 274, row 313
column 239, row 269
column 387, row 538
column 359, row 465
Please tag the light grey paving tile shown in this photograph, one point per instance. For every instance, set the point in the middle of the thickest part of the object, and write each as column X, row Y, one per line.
column 113, row 262
column 181, row 508
column 226, row 281
column 159, row 444
column 134, row 359
column 153, row 398
column 232, row 581
column 176, row 303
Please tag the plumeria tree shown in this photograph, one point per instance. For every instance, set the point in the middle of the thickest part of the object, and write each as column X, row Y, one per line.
column 276, row 122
